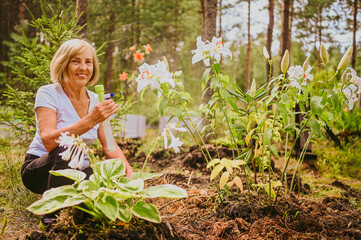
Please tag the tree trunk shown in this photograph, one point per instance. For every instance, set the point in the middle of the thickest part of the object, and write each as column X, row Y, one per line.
column 270, row 37
column 220, row 19
column 354, row 29
column 81, row 6
column 109, row 54
column 285, row 44
column 175, row 40
column 248, row 63
column 209, row 14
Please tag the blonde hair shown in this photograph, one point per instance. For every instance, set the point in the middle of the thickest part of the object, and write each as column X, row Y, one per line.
column 62, row 57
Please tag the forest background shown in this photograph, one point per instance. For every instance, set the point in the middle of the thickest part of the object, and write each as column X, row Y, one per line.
column 171, row 28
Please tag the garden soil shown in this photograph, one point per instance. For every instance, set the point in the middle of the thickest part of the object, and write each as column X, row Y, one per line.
column 204, row 216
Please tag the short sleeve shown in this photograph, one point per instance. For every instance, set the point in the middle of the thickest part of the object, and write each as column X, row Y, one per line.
column 47, row 97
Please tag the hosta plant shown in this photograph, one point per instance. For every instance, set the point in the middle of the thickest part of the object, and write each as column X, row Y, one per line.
column 107, row 194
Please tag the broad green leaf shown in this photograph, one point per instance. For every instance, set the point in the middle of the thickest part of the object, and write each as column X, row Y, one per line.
column 224, row 179
column 108, row 205
column 66, row 190
column 315, row 127
column 267, row 136
column 44, row 206
column 165, row 191
column 119, row 194
column 89, row 188
column 70, row 173
column 145, row 176
column 146, row 211
column 124, row 213
column 75, row 200
column 163, row 103
column 213, row 162
column 136, row 185
column 178, row 111
column 216, row 171
column 274, row 150
column 111, row 168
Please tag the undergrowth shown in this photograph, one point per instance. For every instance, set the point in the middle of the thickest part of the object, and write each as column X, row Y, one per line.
column 345, row 162
column 13, row 192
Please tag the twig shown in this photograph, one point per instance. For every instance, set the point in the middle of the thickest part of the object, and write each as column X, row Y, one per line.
column 190, row 178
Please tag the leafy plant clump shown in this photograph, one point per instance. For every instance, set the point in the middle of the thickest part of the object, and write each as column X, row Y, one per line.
column 107, row 195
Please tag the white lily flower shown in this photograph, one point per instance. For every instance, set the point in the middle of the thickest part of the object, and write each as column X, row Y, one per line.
column 146, row 77
column 202, row 52
column 307, row 75
column 218, row 48
column 162, row 74
column 176, row 142
column 355, row 79
column 294, row 72
column 349, row 92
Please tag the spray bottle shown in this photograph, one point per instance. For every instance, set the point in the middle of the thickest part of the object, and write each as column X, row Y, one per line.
column 106, row 124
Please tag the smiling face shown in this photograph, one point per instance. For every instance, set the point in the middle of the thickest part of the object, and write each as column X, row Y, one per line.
column 80, row 68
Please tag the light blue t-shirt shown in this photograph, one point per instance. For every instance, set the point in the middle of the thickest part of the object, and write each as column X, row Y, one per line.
column 53, row 96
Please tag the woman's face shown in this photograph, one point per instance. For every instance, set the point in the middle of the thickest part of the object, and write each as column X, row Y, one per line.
column 80, row 67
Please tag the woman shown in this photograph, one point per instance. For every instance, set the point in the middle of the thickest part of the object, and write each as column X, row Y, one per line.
column 67, row 106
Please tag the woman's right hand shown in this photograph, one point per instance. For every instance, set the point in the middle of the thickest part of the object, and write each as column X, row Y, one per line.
column 103, row 110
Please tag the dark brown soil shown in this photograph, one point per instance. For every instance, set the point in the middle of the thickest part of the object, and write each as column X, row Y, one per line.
column 203, row 216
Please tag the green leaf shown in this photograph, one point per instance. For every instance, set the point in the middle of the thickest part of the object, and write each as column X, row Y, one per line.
column 216, row 68
column 146, row 211
column 274, row 150
column 315, row 127
column 162, row 105
column 136, row 185
column 111, row 168
column 89, row 188
column 164, row 191
column 45, row 206
column 75, row 200
column 109, row 206
column 267, row 135
column 205, row 77
column 178, row 111
column 66, row 190
column 145, row 176
column 70, row 173
column 124, row 213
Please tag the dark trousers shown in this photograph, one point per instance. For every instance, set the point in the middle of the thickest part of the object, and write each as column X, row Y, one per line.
column 35, row 171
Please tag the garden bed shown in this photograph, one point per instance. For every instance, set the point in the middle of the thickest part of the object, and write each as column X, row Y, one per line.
column 200, row 216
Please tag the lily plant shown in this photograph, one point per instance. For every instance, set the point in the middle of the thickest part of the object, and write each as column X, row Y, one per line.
column 257, row 119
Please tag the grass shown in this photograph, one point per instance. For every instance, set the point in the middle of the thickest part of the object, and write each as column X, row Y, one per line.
column 13, row 194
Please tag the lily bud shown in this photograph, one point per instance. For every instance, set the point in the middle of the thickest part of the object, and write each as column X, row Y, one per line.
column 324, row 54
column 345, row 59
column 166, row 62
column 344, row 77
column 253, row 89
column 285, row 61
column 306, row 63
column 265, row 53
